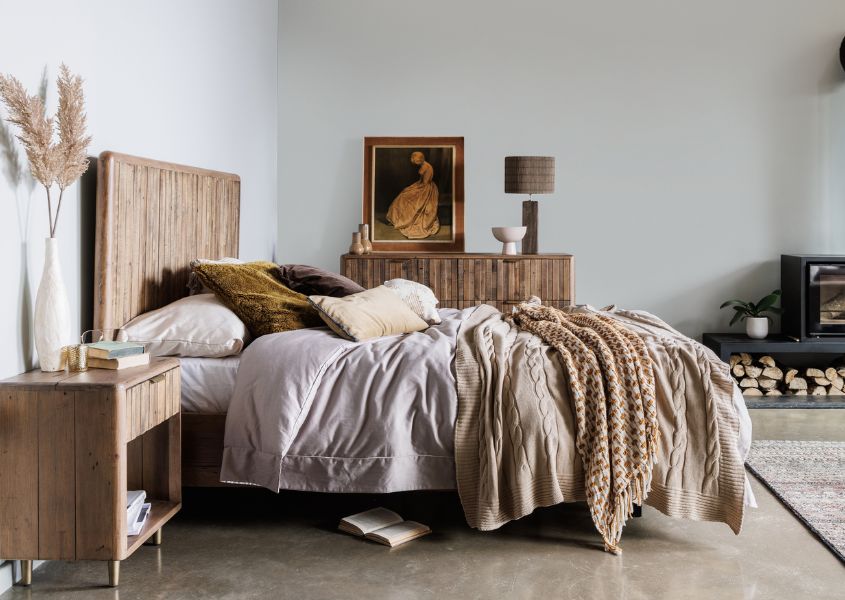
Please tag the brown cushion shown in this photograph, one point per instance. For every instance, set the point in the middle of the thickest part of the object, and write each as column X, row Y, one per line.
column 257, row 297
column 369, row 314
column 312, row 281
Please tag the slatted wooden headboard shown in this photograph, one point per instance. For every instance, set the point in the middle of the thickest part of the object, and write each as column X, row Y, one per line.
column 153, row 218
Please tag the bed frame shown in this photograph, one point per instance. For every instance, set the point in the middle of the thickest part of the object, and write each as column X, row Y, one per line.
column 153, row 218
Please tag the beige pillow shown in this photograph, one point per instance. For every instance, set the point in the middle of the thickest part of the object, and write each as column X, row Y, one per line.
column 199, row 325
column 365, row 315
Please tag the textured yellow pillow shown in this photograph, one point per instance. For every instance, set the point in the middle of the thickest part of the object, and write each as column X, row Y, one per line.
column 257, row 297
column 370, row 314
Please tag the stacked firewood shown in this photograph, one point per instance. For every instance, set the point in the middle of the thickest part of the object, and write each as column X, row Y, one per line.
column 764, row 377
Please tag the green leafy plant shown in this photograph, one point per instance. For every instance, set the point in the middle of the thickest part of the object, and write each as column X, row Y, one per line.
column 745, row 310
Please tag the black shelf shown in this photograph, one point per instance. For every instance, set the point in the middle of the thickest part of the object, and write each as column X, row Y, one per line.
column 725, row 344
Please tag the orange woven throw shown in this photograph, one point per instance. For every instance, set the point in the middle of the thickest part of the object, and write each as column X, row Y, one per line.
column 612, row 388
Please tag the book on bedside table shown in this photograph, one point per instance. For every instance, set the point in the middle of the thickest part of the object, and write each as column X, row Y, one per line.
column 123, row 362
column 383, row 526
column 114, row 349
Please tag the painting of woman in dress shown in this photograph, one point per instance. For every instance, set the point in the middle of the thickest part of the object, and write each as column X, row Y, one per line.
column 414, row 211
column 413, row 193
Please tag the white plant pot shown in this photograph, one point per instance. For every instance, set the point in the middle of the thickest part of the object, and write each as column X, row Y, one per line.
column 757, row 327
column 52, row 312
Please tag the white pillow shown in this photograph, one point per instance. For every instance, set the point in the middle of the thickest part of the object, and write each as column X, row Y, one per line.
column 199, row 325
column 418, row 297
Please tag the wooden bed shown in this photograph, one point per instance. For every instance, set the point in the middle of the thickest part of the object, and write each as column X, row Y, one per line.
column 153, row 218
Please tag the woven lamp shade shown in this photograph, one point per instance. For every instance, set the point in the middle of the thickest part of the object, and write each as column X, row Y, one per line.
column 529, row 174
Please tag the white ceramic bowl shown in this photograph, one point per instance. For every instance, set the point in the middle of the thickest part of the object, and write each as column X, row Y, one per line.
column 509, row 236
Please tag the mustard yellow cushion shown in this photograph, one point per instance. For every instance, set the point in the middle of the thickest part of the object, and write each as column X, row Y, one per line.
column 370, row 314
column 257, row 297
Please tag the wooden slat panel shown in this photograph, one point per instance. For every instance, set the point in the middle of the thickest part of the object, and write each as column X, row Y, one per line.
column 464, row 280
column 135, row 464
column 19, row 475
column 56, row 478
column 152, row 219
column 151, row 292
column 150, row 403
column 202, row 440
column 557, row 279
column 100, row 480
column 162, row 461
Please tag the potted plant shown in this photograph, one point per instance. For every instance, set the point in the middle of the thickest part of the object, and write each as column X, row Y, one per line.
column 754, row 315
column 54, row 161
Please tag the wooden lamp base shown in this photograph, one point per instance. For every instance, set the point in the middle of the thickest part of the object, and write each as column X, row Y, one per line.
column 530, row 211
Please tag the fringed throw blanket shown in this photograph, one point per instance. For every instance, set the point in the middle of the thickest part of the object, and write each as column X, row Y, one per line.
column 580, row 405
column 611, row 387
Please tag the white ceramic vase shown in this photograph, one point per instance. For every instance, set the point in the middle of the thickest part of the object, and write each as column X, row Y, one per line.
column 757, row 327
column 52, row 312
column 509, row 236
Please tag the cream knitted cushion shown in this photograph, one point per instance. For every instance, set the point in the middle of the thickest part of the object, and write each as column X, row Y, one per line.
column 418, row 297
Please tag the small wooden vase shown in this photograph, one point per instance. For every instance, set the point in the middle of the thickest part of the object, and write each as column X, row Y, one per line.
column 364, row 230
column 357, row 247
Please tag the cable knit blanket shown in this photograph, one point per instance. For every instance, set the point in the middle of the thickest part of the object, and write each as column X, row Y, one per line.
column 612, row 390
column 546, row 396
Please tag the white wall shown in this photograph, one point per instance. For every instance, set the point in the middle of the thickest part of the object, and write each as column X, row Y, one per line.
column 192, row 82
column 695, row 141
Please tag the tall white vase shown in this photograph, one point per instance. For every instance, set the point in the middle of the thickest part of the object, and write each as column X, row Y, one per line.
column 52, row 312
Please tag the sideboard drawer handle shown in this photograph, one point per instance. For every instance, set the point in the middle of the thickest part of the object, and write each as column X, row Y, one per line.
column 157, row 378
column 401, row 261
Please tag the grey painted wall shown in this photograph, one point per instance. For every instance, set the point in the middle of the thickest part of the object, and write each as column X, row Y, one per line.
column 191, row 82
column 695, row 141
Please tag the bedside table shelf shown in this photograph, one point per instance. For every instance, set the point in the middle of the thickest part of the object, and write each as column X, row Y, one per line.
column 71, row 445
column 161, row 512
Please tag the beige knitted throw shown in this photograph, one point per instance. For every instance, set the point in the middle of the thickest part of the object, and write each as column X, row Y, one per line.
column 612, row 389
column 575, row 405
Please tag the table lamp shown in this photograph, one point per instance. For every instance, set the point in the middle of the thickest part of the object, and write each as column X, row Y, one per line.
column 529, row 175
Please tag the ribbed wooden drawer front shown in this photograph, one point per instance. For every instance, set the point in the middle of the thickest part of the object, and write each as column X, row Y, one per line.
column 441, row 275
column 398, row 268
column 464, row 280
column 372, row 273
column 152, row 402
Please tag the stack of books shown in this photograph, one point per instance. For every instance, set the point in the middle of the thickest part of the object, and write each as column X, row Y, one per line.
column 137, row 511
column 117, row 355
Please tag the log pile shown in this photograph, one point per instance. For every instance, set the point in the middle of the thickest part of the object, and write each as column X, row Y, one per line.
column 763, row 376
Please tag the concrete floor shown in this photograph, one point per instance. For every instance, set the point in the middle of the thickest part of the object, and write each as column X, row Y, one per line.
column 251, row 544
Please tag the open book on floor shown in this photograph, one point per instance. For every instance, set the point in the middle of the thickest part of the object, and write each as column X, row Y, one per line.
column 383, row 526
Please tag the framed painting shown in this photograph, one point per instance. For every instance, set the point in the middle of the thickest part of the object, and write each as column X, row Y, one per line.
column 414, row 193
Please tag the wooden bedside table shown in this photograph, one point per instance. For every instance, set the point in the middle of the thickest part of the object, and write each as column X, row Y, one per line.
column 71, row 445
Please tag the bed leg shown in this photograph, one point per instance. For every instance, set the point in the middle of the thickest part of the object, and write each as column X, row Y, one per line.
column 638, row 511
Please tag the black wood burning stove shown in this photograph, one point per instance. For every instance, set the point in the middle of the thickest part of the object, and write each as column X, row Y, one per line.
column 813, row 296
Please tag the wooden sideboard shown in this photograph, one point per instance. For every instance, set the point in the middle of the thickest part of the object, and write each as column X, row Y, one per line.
column 464, row 280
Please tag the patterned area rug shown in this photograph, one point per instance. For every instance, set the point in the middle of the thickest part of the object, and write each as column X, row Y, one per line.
column 809, row 478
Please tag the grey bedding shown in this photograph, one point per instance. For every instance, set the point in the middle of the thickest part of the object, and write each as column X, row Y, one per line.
column 314, row 412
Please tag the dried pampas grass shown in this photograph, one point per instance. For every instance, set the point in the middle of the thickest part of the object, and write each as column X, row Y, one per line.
column 36, row 129
column 64, row 161
column 73, row 143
